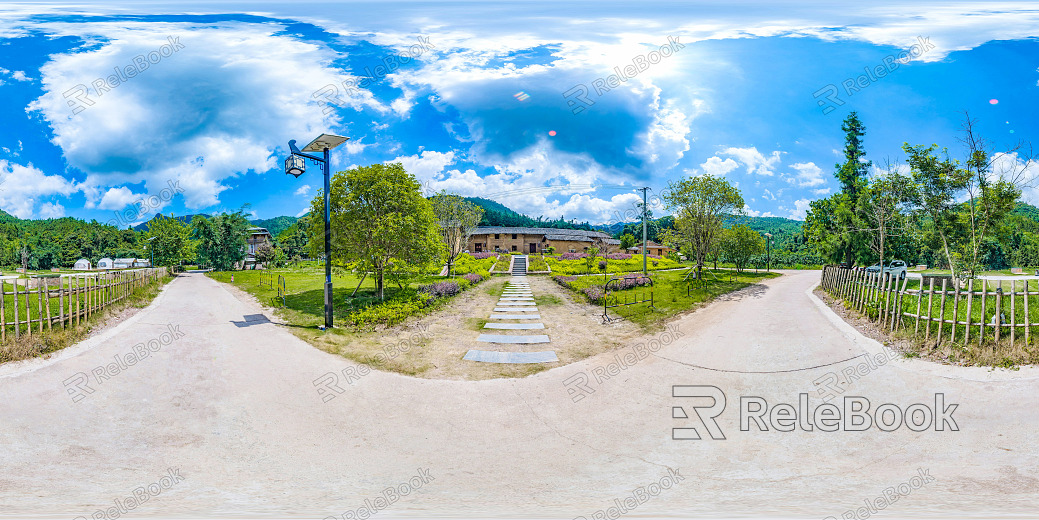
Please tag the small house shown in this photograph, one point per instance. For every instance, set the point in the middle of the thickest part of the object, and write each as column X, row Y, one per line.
column 123, row 263
column 82, row 265
column 105, row 263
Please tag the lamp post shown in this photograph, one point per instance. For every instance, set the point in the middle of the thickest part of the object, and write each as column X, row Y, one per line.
column 768, row 252
column 295, row 165
column 151, row 252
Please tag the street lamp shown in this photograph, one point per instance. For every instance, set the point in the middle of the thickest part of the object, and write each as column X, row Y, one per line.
column 151, row 252
column 295, row 165
column 768, row 252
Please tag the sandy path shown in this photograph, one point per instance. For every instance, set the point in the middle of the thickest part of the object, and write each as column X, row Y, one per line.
column 233, row 407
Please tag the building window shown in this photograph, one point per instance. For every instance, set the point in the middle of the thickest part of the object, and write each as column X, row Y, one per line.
column 513, row 247
column 496, row 237
column 514, row 236
column 572, row 250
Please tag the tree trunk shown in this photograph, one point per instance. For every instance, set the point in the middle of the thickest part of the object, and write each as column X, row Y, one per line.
column 382, row 295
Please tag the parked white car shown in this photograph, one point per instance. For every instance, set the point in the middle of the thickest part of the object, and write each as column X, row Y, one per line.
column 895, row 267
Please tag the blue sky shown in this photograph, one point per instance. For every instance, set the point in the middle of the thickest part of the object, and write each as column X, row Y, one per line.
column 108, row 104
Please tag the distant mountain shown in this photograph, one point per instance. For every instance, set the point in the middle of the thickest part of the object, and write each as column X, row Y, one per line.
column 7, row 217
column 186, row 219
column 275, row 225
column 497, row 214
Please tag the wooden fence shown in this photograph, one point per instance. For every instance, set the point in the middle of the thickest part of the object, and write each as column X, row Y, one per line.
column 955, row 311
column 49, row 301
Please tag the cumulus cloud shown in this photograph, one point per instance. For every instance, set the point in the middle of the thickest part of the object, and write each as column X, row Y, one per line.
column 718, row 167
column 51, row 210
column 216, row 108
column 755, row 161
column 303, row 190
column 808, row 175
column 800, row 209
column 22, row 187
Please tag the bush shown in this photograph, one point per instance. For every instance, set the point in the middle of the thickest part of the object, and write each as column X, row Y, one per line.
column 573, row 256
column 473, row 278
column 466, row 263
column 440, row 289
column 481, row 256
column 619, row 256
column 593, row 293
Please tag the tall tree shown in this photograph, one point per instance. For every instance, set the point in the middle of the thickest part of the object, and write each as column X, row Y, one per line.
column 702, row 204
column 457, row 219
column 882, row 206
column 221, row 239
column 169, row 240
column 739, row 244
column 380, row 221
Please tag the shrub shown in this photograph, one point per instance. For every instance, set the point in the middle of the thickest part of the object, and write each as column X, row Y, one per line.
column 481, row 256
column 619, row 256
column 573, row 256
column 440, row 289
column 602, row 264
column 473, row 278
column 594, row 293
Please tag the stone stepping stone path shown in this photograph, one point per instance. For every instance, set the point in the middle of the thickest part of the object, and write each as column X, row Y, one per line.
column 490, row 356
column 514, row 326
column 516, row 297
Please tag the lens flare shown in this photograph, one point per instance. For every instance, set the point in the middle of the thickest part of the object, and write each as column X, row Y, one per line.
column 993, row 101
column 552, row 133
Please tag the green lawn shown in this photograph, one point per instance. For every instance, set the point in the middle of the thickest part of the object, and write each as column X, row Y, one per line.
column 304, row 292
column 670, row 295
column 631, row 265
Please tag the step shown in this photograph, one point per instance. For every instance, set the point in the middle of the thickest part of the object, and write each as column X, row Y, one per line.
column 516, row 303
column 502, row 338
column 515, row 309
column 514, row 326
column 487, row 356
column 515, row 316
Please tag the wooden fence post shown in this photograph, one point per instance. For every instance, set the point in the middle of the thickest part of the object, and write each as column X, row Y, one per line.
column 955, row 313
column 1027, row 321
column 984, row 295
column 1013, row 307
column 941, row 312
column 998, row 318
column 930, row 296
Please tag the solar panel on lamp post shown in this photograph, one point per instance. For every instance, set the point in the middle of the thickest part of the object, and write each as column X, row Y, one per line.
column 295, row 165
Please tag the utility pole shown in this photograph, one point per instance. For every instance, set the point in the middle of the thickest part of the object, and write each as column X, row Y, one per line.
column 645, row 189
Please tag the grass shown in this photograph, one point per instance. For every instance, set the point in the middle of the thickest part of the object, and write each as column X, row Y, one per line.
column 938, row 343
column 536, row 263
column 303, row 312
column 503, row 263
column 60, row 337
column 633, row 264
column 670, row 297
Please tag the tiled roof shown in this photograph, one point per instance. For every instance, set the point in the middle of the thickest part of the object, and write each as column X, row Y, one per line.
column 556, row 232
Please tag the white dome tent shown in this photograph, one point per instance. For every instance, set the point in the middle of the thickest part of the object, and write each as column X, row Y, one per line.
column 105, row 263
column 82, row 265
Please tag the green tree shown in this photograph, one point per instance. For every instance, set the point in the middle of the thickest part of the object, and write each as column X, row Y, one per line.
column 381, row 222
column 627, row 241
column 739, row 244
column 220, row 239
column 882, row 205
column 702, row 204
column 169, row 240
column 457, row 219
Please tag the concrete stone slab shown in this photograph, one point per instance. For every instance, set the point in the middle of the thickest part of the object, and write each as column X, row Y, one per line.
column 515, row 309
column 515, row 316
column 502, row 338
column 514, row 326
column 486, row 356
column 516, row 303
column 516, row 299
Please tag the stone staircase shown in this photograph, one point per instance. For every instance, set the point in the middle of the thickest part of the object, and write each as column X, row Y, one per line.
column 519, row 265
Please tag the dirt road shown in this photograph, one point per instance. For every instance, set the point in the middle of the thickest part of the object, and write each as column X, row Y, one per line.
column 223, row 419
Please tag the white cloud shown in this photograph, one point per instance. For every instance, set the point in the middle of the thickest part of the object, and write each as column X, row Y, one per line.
column 800, row 209
column 221, row 105
column 303, row 190
column 821, row 192
column 808, row 175
column 21, row 187
column 752, row 213
column 118, row 198
column 718, row 167
column 51, row 210
column 767, row 195
column 754, row 160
